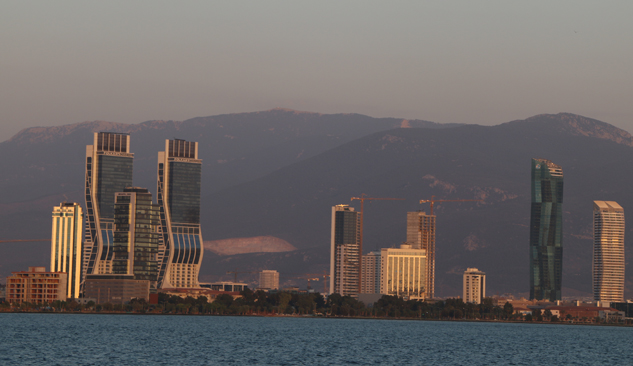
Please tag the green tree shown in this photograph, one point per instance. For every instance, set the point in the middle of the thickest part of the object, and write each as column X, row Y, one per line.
column 284, row 299
column 508, row 309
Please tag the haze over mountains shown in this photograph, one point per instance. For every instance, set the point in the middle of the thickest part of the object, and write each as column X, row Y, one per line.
column 277, row 173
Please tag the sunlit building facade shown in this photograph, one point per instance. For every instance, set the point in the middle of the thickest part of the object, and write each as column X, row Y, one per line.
column 421, row 235
column 345, row 251
column 36, row 286
column 178, row 195
column 403, row 272
column 66, row 244
column 108, row 170
column 269, row 280
column 370, row 271
column 474, row 285
column 546, row 231
column 608, row 251
column 135, row 235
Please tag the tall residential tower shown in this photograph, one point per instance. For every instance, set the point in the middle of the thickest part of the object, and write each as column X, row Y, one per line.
column 421, row 235
column 546, row 231
column 608, row 251
column 345, row 251
column 178, row 193
column 108, row 170
column 66, row 244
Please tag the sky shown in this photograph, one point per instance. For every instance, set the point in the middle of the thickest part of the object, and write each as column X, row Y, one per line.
column 483, row 62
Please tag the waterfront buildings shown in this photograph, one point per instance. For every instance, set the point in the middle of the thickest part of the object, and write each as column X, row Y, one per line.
column 608, row 252
column 546, row 231
column 108, row 170
column 135, row 243
column 178, row 196
column 370, row 272
column 403, row 272
column 36, row 286
column 66, row 244
column 269, row 280
column 421, row 235
column 474, row 285
column 115, row 288
column 345, row 251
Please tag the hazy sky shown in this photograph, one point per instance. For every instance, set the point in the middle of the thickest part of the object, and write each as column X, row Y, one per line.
column 482, row 62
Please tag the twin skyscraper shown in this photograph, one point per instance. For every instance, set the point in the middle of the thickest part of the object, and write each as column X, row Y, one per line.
column 126, row 234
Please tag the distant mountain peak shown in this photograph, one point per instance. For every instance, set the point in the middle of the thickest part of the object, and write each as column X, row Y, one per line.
column 577, row 125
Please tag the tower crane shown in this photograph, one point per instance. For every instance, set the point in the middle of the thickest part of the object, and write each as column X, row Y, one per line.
column 363, row 197
column 428, row 243
column 316, row 278
column 236, row 272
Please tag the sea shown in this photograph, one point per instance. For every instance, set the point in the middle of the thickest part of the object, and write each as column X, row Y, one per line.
column 101, row 339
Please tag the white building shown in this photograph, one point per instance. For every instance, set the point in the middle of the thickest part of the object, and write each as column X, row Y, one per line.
column 370, row 272
column 345, row 251
column 403, row 272
column 608, row 251
column 66, row 245
column 474, row 285
column 269, row 280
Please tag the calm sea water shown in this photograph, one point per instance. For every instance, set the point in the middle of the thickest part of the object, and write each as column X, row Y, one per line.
column 66, row 339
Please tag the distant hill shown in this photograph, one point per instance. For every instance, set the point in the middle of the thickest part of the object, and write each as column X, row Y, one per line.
column 466, row 162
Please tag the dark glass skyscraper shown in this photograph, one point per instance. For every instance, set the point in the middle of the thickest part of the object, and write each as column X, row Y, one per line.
column 178, row 194
column 108, row 170
column 345, row 251
column 135, row 235
column 546, row 231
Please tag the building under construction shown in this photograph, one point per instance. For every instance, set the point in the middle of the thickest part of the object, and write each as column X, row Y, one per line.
column 421, row 235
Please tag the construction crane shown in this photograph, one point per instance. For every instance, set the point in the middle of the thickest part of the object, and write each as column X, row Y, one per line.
column 324, row 275
column 433, row 200
column 362, row 200
column 307, row 279
column 236, row 272
column 428, row 243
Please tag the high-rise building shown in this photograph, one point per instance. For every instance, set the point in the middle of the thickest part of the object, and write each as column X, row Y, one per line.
column 546, row 231
column 135, row 235
column 108, row 170
column 370, row 272
column 421, row 235
column 269, row 280
column 66, row 244
column 608, row 251
column 178, row 194
column 474, row 285
column 403, row 272
column 344, row 251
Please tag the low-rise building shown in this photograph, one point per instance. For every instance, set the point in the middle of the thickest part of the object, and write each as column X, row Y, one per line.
column 210, row 294
column 115, row 288
column 589, row 312
column 36, row 286
column 225, row 286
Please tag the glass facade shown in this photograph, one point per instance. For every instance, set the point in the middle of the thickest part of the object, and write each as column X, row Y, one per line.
column 178, row 195
column 345, row 251
column 546, row 231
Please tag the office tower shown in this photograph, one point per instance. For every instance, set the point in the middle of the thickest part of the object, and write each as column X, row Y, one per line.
column 474, row 285
column 546, row 231
column 608, row 251
column 66, row 244
column 135, row 235
column 108, row 170
column 178, row 195
column 403, row 272
column 36, row 286
column 370, row 272
column 344, row 251
column 421, row 235
column 269, row 280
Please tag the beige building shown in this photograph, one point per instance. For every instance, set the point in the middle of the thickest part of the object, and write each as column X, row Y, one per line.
column 608, row 252
column 370, row 272
column 421, row 235
column 66, row 244
column 36, row 286
column 474, row 285
column 269, row 280
column 115, row 289
column 403, row 272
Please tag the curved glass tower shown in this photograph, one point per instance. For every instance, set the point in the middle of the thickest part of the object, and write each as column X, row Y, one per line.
column 108, row 170
column 608, row 251
column 178, row 194
column 546, row 231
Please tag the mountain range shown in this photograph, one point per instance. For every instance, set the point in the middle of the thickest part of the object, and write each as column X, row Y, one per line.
column 276, row 174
